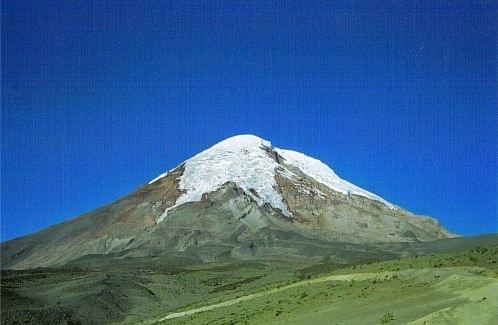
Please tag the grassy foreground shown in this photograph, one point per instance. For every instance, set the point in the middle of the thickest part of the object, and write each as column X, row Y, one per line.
column 446, row 288
column 460, row 288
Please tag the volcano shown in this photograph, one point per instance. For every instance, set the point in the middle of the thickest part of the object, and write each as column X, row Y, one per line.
column 239, row 199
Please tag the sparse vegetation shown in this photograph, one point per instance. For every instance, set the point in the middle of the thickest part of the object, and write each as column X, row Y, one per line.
column 85, row 295
column 387, row 318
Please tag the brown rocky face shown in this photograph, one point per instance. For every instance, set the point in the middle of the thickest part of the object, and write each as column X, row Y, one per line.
column 315, row 207
column 111, row 228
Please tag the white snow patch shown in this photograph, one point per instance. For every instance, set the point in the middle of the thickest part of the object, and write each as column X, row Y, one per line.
column 238, row 159
column 286, row 173
column 241, row 159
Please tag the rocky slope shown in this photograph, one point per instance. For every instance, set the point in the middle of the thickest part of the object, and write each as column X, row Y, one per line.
column 239, row 199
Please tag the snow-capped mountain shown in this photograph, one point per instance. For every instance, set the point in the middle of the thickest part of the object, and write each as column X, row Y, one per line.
column 238, row 199
column 252, row 163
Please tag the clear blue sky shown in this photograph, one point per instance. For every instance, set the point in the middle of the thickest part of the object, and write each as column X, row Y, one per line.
column 98, row 97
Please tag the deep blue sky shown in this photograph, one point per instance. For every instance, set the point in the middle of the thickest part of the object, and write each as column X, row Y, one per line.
column 398, row 97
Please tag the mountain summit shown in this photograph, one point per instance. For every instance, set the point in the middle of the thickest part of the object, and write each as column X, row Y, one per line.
column 238, row 199
column 253, row 164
